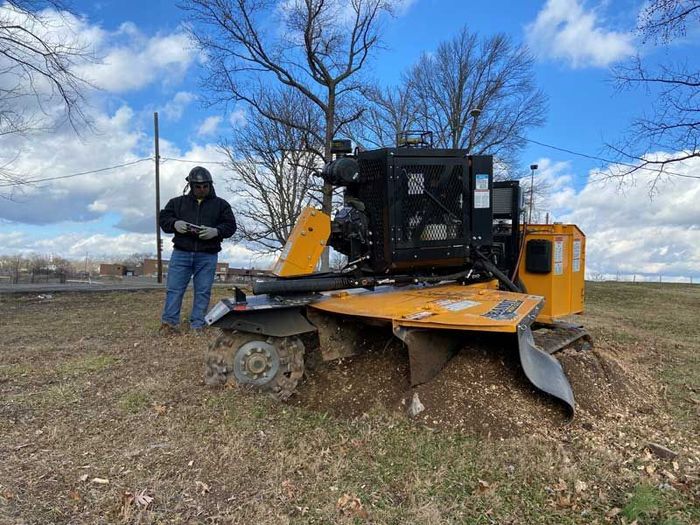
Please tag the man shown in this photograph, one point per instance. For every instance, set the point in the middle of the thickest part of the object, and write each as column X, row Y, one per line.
column 200, row 221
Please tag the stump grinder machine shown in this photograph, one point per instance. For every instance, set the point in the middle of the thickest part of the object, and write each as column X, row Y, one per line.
column 436, row 252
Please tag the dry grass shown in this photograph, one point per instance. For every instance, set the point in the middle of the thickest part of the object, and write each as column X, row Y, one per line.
column 90, row 392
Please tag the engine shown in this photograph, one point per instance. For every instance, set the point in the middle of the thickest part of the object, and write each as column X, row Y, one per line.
column 421, row 210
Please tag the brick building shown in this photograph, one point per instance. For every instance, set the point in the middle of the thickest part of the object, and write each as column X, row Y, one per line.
column 112, row 270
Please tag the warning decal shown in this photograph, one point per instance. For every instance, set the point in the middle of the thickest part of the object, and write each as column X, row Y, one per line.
column 418, row 316
column 576, row 263
column 482, row 199
column 558, row 256
column 454, row 305
column 504, row 310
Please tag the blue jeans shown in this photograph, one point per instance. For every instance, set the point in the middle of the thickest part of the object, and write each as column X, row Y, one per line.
column 201, row 267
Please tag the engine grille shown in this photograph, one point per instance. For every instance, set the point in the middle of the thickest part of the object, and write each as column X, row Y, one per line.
column 430, row 198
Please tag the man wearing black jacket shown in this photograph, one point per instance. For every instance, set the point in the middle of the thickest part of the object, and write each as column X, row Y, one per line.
column 200, row 221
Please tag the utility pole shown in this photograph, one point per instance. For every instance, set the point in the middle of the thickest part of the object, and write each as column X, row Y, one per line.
column 533, row 167
column 157, row 157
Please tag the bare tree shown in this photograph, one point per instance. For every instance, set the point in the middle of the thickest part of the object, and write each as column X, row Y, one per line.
column 672, row 125
column 478, row 94
column 389, row 112
column 315, row 47
column 662, row 21
column 273, row 165
column 38, row 72
column 135, row 259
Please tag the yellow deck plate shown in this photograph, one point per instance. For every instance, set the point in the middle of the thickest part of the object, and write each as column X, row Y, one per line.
column 447, row 306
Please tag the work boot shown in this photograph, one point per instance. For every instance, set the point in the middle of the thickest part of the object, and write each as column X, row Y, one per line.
column 168, row 330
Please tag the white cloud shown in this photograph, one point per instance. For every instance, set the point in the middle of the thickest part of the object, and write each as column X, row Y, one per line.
column 627, row 231
column 238, row 117
column 210, row 126
column 564, row 30
column 124, row 60
column 139, row 60
column 174, row 109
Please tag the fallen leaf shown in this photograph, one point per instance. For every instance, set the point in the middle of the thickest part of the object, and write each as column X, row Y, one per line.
column 561, row 486
column 650, row 469
column 613, row 512
column 350, row 505
column 160, row 409
column 142, row 499
column 99, row 481
column 484, row 487
column 74, row 495
column 563, row 501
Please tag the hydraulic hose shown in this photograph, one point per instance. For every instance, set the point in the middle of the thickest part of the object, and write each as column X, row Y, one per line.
column 503, row 278
column 327, row 284
column 323, row 284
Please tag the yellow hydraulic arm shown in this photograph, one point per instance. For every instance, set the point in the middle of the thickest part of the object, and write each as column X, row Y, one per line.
column 305, row 244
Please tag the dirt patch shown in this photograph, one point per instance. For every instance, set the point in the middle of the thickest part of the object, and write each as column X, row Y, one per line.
column 600, row 382
column 482, row 391
column 378, row 376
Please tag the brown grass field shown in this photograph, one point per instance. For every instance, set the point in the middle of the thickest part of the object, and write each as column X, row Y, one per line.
column 103, row 421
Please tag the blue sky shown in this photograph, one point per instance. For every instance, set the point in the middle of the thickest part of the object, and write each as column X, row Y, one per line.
column 148, row 65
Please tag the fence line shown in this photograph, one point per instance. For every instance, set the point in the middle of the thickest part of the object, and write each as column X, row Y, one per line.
column 642, row 277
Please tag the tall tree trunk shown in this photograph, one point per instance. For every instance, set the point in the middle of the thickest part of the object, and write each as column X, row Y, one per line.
column 328, row 156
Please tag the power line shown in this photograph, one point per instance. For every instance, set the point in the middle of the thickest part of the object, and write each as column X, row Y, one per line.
column 593, row 157
column 99, row 170
column 194, row 161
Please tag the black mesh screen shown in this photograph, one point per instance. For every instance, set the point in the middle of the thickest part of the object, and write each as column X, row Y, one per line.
column 431, row 200
column 372, row 192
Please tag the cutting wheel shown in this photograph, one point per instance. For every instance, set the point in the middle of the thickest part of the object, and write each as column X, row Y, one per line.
column 273, row 364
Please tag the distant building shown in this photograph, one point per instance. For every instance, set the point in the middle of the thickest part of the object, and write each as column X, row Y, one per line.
column 112, row 270
column 221, row 271
column 245, row 274
column 150, row 267
column 120, row 270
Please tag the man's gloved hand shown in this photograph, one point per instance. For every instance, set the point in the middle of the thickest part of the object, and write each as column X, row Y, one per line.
column 180, row 226
column 208, row 233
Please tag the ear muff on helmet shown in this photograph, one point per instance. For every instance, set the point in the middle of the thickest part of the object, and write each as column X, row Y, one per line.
column 198, row 174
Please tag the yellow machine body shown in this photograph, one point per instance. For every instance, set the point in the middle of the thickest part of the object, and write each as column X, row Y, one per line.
column 475, row 307
column 305, row 244
column 562, row 287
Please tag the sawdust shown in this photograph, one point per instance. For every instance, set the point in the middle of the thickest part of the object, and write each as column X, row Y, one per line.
column 482, row 391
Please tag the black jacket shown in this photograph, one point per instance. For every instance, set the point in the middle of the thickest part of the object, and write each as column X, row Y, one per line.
column 213, row 211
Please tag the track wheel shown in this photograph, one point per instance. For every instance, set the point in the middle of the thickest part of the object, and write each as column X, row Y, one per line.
column 272, row 364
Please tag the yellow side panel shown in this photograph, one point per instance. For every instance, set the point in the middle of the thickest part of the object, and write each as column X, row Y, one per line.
column 477, row 307
column 563, row 287
column 305, row 244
